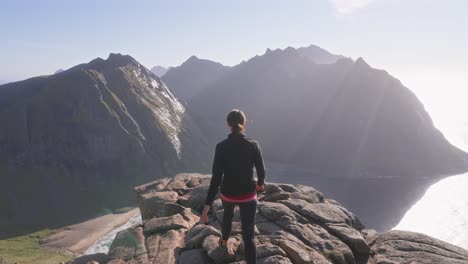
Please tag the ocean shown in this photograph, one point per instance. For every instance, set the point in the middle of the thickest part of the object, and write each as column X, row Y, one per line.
column 442, row 212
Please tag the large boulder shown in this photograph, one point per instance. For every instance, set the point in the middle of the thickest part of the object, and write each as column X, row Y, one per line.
column 221, row 254
column 351, row 237
column 195, row 236
column 128, row 244
column 164, row 248
column 321, row 212
column 163, row 224
column 408, row 247
column 157, row 204
column 193, row 256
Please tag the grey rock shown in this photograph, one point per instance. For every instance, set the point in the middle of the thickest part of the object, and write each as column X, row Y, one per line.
column 307, row 193
column 197, row 234
column 274, row 260
column 157, row 185
column 267, row 250
column 182, row 182
column 193, row 256
column 157, row 203
column 273, row 197
column 319, row 239
column 296, row 250
column 351, row 237
column 164, row 248
column 128, row 244
column 220, row 254
column 268, row 228
column 275, row 211
column 321, row 212
column 408, row 247
column 162, row 224
column 195, row 199
column 190, row 216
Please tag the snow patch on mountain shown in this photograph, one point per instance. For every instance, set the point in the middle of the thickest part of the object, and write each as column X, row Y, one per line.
column 168, row 114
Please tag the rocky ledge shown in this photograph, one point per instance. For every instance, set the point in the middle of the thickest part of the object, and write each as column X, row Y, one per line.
column 294, row 224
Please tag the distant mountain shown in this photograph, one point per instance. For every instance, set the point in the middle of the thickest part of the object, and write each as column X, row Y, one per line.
column 72, row 143
column 159, row 70
column 343, row 123
column 344, row 118
column 193, row 76
column 58, row 71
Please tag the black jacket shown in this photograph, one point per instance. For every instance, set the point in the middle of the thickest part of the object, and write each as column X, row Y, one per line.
column 233, row 165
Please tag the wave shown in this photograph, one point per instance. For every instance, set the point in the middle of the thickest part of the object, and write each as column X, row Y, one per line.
column 103, row 244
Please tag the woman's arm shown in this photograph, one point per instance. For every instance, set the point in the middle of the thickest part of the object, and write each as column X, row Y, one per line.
column 216, row 177
column 259, row 166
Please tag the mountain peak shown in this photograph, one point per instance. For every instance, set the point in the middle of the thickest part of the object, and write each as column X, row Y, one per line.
column 312, row 52
column 120, row 59
column 114, row 60
column 193, row 58
column 159, row 70
column 319, row 55
column 361, row 62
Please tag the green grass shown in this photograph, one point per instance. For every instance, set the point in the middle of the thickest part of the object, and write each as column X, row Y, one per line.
column 26, row 250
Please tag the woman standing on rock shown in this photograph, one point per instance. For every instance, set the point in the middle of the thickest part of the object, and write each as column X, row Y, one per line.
column 233, row 165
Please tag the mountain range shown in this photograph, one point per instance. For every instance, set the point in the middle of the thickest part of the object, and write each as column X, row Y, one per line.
column 351, row 130
column 75, row 142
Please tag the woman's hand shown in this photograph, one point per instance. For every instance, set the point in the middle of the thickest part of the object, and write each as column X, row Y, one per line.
column 260, row 188
column 204, row 215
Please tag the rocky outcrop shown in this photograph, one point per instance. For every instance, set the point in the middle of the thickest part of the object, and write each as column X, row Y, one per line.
column 294, row 224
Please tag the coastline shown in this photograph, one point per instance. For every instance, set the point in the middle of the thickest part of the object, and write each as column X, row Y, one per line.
column 76, row 239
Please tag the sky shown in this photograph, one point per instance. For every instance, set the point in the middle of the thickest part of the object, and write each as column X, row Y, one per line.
column 421, row 42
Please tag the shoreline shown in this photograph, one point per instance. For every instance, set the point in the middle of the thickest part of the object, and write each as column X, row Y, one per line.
column 76, row 239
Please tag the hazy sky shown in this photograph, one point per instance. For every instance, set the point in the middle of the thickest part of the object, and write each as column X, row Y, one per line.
column 409, row 38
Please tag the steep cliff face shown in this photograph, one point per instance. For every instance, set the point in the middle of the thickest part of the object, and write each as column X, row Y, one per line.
column 294, row 224
column 71, row 143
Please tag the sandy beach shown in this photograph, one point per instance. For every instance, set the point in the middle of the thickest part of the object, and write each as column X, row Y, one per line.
column 75, row 239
